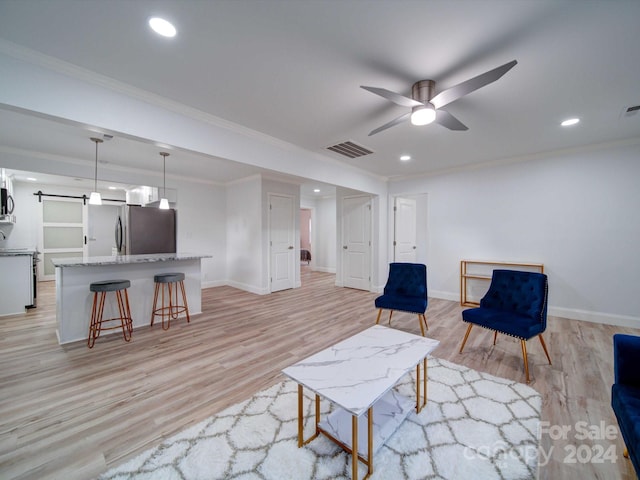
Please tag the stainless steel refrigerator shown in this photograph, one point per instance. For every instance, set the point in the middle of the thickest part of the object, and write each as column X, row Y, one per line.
column 145, row 230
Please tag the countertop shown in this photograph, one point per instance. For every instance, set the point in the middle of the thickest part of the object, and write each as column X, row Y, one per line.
column 124, row 259
column 12, row 252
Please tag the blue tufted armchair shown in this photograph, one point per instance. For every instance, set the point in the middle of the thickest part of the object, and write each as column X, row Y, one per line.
column 625, row 393
column 406, row 291
column 516, row 305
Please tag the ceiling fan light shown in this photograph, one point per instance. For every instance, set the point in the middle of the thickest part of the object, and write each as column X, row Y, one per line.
column 95, row 198
column 423, row 115
column 164, row 204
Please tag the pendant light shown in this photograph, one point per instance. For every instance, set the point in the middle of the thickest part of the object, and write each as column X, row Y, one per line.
column 95, row 198
column 164, row 203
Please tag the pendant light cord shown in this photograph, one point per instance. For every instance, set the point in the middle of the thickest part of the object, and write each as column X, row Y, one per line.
column 95, row 176
column 164, row 173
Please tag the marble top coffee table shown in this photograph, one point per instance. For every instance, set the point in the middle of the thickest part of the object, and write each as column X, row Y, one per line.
column 358, row 375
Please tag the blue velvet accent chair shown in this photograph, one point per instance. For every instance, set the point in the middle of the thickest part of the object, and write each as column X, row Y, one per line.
column 516, row 305
column 405, row 291
column 625, row 393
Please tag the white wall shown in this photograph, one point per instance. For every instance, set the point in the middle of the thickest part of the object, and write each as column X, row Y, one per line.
column 576, row 212
column 202, row 218
column 325, row 246
column 244, row 235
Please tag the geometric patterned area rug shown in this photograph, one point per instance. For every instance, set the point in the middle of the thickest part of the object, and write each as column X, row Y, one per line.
column 474, row 425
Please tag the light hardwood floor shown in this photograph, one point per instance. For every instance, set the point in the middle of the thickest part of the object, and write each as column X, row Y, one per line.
column 70, row 412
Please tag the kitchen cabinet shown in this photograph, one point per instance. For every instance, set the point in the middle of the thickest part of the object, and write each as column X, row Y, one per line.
column 16, row 282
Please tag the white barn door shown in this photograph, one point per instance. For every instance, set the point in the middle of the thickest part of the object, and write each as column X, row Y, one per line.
column 281, row 242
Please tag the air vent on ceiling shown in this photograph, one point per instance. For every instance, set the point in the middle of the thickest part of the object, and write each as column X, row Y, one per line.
column 350, row 149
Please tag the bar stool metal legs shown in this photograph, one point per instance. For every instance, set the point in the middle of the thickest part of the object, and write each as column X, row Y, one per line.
column 100, row 289
column 172, row 309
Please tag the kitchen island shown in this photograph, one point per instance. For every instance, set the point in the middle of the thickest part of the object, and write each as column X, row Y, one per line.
column 74, row 300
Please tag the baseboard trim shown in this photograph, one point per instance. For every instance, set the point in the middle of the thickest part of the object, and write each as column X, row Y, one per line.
column 595, row 317
column 323, row 269
column 570, row 313
column 247, row 288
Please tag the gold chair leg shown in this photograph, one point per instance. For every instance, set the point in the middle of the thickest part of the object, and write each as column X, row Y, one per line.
column 544, row 346
column 466, row 335
column 625, row 454
column 379, row 313
column 424, row 319
column 495, row 336
column 526, row 362
column 420, row 322
column 390, row 314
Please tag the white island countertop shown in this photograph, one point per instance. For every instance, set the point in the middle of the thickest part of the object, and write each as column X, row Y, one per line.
column 74, row 300
column 124, row 259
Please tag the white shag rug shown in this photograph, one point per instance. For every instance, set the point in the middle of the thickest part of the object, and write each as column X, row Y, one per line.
column 474, row 425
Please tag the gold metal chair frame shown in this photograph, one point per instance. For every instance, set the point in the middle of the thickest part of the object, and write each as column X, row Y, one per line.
column 353, row 450
column 421, row 319
column 523, row 344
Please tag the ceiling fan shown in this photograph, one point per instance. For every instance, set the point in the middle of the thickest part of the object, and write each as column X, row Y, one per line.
column 426, row 108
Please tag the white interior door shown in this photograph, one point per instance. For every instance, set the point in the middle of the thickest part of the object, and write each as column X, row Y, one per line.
column 281, row 242
column 356, row 242
column 404, row 243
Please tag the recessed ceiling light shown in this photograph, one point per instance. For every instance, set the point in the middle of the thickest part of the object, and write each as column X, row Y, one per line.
column 113, row 188
column 405, row 158
column 162, row 27
column 570, row 121
column 316, row 190
column 31, row 179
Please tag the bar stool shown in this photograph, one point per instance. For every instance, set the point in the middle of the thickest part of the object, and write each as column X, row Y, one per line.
column 171, row 311
column 100, row 290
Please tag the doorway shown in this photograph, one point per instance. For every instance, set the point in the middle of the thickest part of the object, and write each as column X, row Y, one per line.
column 305, row 236
column 356, row 242
column 409, row 229
column 281, row 242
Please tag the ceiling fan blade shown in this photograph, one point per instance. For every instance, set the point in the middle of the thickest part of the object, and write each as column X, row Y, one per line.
column 392, row 123
column 394, row 97
column 445, row 119
column 464, row 88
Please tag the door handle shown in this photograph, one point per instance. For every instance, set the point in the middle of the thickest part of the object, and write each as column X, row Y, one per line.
column 345, row 247
column 290, row 247
column 414, row 247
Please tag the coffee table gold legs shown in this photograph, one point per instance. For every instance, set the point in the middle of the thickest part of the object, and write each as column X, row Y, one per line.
column 354, row 435
column 301, row 440
column 370, row 443
column 419, row 404
column 354, row 446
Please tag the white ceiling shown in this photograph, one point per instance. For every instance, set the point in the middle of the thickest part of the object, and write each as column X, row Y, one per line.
column 293, row 70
